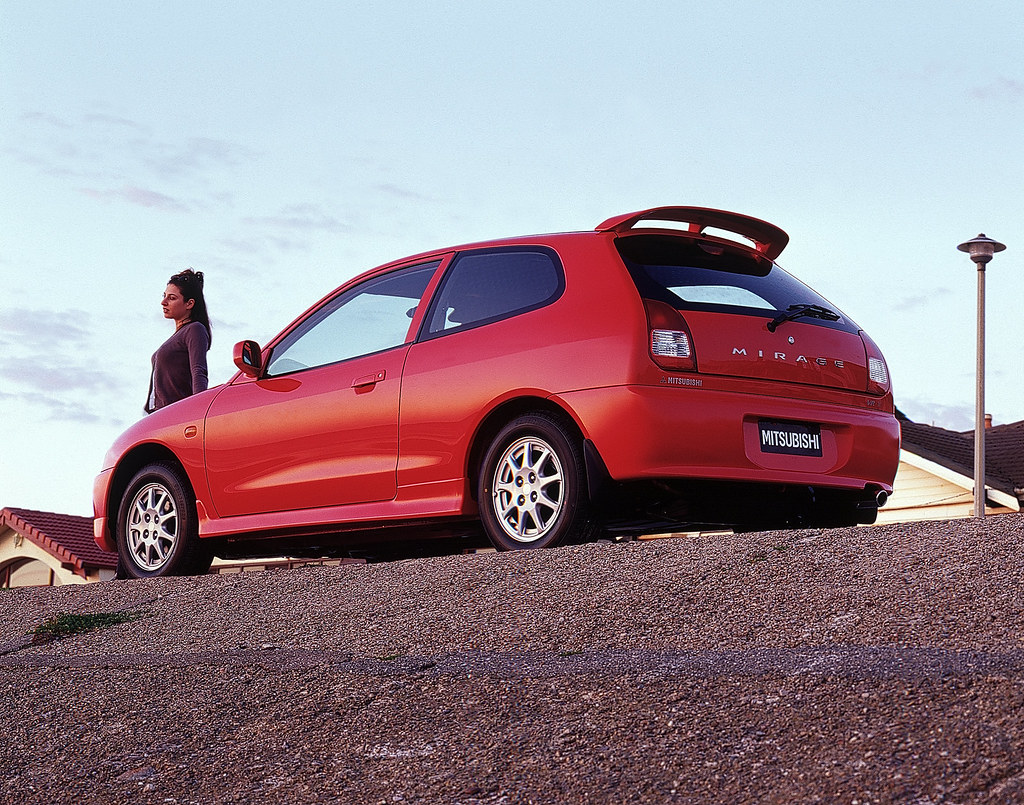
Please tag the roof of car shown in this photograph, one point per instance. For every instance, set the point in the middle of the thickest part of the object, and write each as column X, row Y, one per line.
column 755, row 234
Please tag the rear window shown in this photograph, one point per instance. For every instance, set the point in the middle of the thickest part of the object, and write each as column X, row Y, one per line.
column 690, row 276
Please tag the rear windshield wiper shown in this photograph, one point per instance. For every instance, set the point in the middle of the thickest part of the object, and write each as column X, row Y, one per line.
column 799, row 311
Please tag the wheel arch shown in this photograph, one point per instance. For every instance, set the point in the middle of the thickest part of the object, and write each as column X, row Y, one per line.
column 131, row 462
column 504, row 413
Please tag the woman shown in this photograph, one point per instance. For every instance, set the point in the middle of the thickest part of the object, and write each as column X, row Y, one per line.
column 179, row 366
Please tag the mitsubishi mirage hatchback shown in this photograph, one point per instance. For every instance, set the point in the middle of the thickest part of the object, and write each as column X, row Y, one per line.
column 659, row 373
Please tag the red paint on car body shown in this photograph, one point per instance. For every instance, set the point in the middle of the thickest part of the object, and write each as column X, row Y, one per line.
column 375, row 408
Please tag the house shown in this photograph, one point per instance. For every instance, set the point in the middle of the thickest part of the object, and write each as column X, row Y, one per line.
column 47, row 549
column 935, row 480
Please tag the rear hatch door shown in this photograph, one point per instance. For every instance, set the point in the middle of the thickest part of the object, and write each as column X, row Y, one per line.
column 742, row 346
column 746, row 315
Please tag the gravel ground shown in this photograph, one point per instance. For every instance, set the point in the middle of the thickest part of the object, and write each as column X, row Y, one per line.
column 858, row 665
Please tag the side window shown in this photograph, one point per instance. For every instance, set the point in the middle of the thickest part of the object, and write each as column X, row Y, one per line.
column 485, row 286
column 371, row 317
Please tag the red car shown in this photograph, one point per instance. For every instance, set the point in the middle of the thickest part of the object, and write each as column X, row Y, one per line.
column 658, row 373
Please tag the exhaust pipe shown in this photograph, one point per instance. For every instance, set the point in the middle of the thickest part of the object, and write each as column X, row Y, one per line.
column 867, row 510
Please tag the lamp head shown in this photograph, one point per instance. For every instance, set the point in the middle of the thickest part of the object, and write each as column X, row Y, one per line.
column 981, row 248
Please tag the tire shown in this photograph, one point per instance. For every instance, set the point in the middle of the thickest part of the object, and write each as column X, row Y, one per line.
column 157, row 529
column 532, row 486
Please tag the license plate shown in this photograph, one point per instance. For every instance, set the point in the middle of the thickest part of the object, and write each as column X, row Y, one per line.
column 790, row 438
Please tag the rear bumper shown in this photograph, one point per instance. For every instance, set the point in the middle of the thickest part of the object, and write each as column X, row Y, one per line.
column 648, row 432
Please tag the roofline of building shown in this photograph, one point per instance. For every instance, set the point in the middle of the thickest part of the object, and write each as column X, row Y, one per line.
column 958, row 475
column 68, row 560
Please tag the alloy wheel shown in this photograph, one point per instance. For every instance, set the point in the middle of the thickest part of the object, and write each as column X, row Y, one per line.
column 152, row 527
column 528, row 489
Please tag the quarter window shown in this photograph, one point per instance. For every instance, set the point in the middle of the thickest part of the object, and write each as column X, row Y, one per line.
column 485, row 286
column 371, row 317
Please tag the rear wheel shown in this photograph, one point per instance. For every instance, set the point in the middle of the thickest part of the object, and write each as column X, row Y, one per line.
column 532, row 487
column 157, row 532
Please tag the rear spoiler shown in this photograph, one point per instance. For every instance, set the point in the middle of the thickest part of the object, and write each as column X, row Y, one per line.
column 768, row 239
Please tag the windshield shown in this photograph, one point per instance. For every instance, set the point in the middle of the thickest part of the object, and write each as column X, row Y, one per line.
column 690, row 276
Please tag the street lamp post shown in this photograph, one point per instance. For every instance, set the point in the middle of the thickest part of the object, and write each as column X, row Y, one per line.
column 981, row 250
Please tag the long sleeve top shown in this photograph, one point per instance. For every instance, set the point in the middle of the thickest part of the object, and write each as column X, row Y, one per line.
column 179, row 367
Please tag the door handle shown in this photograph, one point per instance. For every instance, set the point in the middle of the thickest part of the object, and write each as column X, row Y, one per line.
column 367, row 381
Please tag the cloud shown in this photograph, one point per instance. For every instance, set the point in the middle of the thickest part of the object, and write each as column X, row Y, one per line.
column 288, row 244
column 114, row 120
column 58, row 146
column 951, row 417
column 118, row 152
column 288, row 230
column 48, row 119
column 401, row 192
column 138, row 196
column 56, row 390
column 243, row 246
column 45, row 365
column 46, row 164
column 55, row 408
column 909, row 304
column 44, row 329
column 58, row 375
column 304, row 217
column 196, row 156
column 1001, row 88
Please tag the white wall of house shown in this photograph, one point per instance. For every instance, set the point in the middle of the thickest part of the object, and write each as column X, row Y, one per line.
column 924, row 490
column 31, row 565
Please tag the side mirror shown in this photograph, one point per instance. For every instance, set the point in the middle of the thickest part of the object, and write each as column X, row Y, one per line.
column 248, row 358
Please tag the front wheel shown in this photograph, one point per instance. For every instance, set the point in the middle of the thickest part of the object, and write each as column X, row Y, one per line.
column 532, row 486
column 157, row 533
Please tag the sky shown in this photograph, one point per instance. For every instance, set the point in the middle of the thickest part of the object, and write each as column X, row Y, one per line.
column 282, row 148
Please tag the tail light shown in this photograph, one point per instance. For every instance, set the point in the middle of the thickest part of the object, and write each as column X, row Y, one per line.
column 670, row 341
column 878, row 372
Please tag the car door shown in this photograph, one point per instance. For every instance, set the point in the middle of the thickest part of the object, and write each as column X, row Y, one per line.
column 319, row 427
column 485, row 335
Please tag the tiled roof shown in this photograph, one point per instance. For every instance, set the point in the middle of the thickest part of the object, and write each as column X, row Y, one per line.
column 65, row 536
column 1004, row 451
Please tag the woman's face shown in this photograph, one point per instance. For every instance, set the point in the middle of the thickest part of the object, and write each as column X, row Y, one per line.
column 174, row 304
